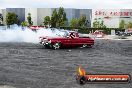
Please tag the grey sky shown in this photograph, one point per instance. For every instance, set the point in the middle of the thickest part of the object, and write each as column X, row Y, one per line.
column 91, row 4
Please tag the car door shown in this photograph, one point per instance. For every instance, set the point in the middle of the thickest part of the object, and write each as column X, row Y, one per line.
column 70, row 42
column 74, row 41
column 67, row 41
column 78, row 41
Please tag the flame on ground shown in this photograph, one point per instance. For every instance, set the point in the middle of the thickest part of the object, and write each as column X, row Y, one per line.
column 81, row 71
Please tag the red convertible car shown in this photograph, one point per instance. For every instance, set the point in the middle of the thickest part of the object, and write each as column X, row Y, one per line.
column 66, row 39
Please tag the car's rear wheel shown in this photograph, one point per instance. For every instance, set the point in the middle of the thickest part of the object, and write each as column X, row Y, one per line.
column 87, row 46
column 56, row 45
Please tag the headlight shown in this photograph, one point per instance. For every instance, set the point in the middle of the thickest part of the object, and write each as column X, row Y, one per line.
column 49, row 41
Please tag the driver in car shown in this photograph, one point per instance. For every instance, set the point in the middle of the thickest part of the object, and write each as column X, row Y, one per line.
column 72, row 35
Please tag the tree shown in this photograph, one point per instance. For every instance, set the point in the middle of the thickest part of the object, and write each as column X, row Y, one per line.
column 58, row 18
column 24, row 23
column 102, row 24
column 47, row 21
column 129, row 25
column 54, row 18
column 122, row 24
column 74, row 22
column 95, row 23
column 61, row 17
column 82, row 20
column 29, row 19
column 98, row 24
column 11, row 18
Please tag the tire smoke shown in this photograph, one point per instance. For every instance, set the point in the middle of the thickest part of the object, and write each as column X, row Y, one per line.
column 18, row 34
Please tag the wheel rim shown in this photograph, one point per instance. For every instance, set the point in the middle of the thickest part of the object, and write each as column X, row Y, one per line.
column 56, row 46
column 85, row 45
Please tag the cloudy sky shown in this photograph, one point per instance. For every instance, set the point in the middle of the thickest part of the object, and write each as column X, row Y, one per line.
column 86, row 4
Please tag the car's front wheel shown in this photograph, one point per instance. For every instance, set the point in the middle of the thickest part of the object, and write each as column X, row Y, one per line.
column 45, row 46
column 57, row 45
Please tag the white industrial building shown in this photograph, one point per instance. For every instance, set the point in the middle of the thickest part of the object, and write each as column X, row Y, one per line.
column 38, row 14
column 111, row 17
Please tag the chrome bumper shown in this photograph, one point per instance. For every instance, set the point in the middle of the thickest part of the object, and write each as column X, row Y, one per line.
column 45, row 42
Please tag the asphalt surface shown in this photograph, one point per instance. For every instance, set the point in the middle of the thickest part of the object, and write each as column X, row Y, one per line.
column 28, row 65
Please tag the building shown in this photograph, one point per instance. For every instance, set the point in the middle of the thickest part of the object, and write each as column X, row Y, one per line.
column 76, row 13
column 20, row 12
column 112, row 17
column 38, row 14
column 2, row 16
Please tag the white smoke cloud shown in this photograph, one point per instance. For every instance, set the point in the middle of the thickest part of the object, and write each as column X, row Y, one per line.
column 27, row 35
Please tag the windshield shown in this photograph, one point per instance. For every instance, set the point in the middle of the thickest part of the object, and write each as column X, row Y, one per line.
column 63, row 33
